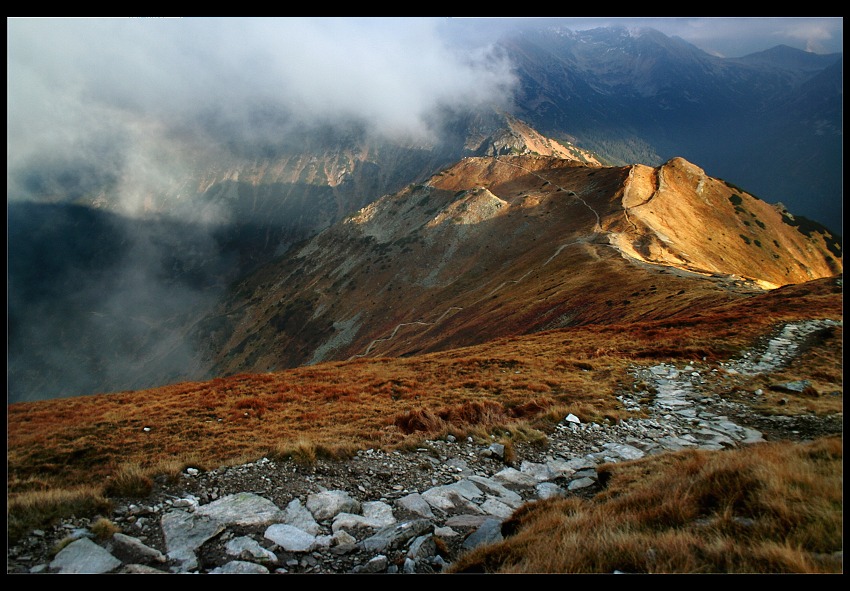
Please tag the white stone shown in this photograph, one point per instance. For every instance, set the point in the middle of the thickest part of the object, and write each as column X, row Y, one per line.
column 299, row 516
column 496, row 508
column 547, row 490
column 240, row 567
column 326, row 504
column 84, row 557
column 241, row 509
column 580, row 483
column 342, row 537
column 249, row 548
column 512, row 476
column 136, row 547
column 540, row 472
column 290, row 538
column 415, row 504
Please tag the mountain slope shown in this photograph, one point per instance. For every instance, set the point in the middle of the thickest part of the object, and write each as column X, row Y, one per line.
column 145, row 258
column 679, row 216
column 60, row 451
column 498, row 246
column 201, row 203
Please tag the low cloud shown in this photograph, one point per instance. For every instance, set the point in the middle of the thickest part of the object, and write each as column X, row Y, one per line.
column 80, row 89
column 124, row 113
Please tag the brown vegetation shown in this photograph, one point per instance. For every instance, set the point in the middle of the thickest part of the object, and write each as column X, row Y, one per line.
column 68, row 456
column 772, row 508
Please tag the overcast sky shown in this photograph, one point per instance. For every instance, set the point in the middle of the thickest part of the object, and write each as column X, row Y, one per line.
column 389, row 71
column 392, row 72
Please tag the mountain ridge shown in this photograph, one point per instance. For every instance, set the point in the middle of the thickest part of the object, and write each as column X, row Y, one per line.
column 520, row 238
column 451, row 225
column 260, row 199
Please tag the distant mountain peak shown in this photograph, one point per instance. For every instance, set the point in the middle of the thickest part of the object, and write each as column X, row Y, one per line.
column 517, row 138
column 790, row 58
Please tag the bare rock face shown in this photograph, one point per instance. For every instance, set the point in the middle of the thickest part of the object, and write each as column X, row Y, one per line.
column 527, row 140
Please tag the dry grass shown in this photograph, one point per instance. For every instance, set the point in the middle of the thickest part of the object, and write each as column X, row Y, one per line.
column 38, row 508
column 516, row 388
column 103, row 529
column 774, row 508
column 335, row 406
column 306, row 452
column 130, row 480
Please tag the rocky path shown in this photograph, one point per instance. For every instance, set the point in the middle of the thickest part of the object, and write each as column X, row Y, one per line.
column 395, row 512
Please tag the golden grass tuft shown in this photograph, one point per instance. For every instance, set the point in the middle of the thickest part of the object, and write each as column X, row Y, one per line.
column 532, row 408
column 420, row 420
column 251, row 407
column 459, row 417
column 303, row 452
column 130, row 480
column 480, row 420
column 103, row 528
column 307, row 452
column 172, row 467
